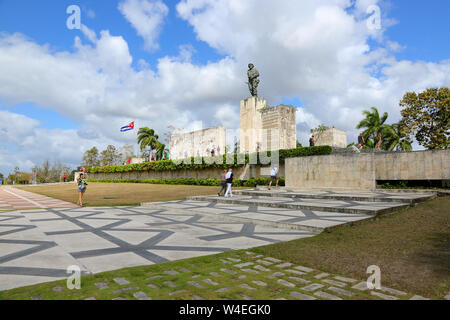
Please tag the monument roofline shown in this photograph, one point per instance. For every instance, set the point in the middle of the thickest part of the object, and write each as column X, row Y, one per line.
column 174, row 134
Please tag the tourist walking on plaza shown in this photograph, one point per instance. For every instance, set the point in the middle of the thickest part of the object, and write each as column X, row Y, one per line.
column 312, row 141
column 274, row 176
column 229, row 178
column 81, row 189
column 223, row 182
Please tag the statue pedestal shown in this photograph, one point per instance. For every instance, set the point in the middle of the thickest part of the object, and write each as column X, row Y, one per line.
column 266, row 128
column 332, row 137
column 251, row 124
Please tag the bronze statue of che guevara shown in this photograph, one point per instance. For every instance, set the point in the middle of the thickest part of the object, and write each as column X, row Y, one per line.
column 253, row 80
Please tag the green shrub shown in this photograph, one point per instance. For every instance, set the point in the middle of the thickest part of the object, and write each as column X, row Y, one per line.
column 253, row 182
column 218, row 162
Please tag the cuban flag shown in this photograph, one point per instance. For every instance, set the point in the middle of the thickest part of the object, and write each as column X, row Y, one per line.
column 127, row 127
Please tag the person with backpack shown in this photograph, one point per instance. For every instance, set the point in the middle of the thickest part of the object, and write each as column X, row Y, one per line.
column 229, row 179
column 81, row 181
column 223, row 182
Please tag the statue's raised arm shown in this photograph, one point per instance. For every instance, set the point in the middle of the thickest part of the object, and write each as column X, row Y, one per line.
column 253, row 80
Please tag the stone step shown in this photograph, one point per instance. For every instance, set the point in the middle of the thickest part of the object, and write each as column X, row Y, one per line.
column 409, row 198
column 312, row 222
column 328, row 205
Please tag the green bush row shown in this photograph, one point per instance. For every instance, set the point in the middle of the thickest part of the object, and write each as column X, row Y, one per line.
column 253, row 182
column 218, row 162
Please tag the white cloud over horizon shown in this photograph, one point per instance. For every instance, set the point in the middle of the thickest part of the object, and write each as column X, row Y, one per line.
column 316, row 50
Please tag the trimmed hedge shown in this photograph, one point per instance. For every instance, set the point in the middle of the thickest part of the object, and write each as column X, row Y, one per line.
column 253, row 182
column 218, row 162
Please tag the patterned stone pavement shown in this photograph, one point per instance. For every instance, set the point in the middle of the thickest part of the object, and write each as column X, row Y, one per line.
column 38, row 245
column 313, row 221
column 13, row 199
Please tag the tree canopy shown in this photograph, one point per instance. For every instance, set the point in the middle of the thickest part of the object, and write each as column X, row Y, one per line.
column 91, row 158
column 375, row 127
column 426, row 116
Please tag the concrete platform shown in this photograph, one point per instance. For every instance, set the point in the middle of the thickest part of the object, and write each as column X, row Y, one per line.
column 328, row 205
column 276, row 217
column 409, row 198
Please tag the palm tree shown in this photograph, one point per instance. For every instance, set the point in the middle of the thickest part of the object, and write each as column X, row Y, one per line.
column 147, row 138
column 374, row 126
column 396, row 139
column 160, row 150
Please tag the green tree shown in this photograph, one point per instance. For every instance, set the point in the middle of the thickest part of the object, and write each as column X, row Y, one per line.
column 375, row 127
column 427, row 116
column 19, row 177
column 396, row 139
column 147, row 138
column 110, row 156
column 160, row 150
column 299, row 145
column 90, row 158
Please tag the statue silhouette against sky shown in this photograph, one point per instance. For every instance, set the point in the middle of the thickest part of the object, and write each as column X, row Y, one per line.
column 253, row 80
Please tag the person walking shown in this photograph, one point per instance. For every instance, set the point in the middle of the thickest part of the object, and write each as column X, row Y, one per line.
column 81, row 189
column 229, row 179
column 223, row 182
column 361, row 141
column 312, row 141
column 274, row 176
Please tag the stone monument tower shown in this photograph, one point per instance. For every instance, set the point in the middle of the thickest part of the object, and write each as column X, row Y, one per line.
column 265, row 128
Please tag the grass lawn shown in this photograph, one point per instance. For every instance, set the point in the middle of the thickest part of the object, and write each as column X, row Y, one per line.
column 128, row 193
column 411, row 247
column 196, row 269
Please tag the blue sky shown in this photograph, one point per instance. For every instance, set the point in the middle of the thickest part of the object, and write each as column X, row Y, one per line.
column 421, row 28
column 44, row 21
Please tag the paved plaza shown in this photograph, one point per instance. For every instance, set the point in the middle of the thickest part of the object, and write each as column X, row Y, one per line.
column 13, row 199
column 40, row 243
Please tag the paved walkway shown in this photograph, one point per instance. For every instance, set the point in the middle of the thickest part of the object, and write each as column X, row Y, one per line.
column 14, row 199
column 38, row 245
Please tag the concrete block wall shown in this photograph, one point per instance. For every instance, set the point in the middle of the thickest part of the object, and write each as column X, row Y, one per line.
column 361, row 171
column 196, row 143
column 417, row 165
column 331, row 171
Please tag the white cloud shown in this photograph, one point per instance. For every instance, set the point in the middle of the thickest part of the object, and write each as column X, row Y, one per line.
column 147, row 17
column 316, row 50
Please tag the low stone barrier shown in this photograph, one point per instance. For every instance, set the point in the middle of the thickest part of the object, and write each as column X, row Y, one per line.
column 361, row 171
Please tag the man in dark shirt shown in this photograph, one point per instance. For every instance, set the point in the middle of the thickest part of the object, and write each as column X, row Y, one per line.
column 312, row 141
column 360, row 140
